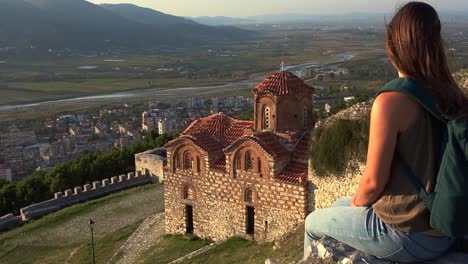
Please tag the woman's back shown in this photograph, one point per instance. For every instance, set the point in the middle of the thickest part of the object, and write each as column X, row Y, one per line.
column 400, row 206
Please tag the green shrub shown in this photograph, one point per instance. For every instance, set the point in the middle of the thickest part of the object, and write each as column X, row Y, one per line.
column 335, row 145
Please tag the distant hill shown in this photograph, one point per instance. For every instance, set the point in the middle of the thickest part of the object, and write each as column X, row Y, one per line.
column 145, row 15
column 221, row 20
column 78, row 24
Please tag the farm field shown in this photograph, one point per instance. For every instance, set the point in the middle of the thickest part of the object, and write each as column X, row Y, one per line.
column 54, row 77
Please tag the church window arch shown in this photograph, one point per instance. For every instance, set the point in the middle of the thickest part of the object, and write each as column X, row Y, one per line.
column 248, row 196
column 187, row 160
column 187, row 193
column 248, row 161
column 266, row 117
column 259, row 165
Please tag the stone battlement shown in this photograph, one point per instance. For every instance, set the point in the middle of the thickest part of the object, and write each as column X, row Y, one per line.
column 74, row 196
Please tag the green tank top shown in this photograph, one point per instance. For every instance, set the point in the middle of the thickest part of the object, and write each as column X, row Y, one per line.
column 400, row 206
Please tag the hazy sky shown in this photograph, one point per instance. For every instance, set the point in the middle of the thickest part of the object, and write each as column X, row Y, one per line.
column 242, row 8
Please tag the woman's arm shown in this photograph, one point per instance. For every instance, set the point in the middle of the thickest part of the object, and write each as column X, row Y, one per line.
column 392, row 112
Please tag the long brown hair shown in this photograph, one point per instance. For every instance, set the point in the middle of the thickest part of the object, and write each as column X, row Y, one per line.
column 416, row 48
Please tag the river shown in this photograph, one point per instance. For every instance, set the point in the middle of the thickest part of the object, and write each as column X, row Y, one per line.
column 297, row 69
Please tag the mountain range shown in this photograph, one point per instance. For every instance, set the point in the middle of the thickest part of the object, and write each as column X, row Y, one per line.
column 78, row 24
column 356, row 17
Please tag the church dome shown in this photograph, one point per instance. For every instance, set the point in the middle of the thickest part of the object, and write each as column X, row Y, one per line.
column 283, row 83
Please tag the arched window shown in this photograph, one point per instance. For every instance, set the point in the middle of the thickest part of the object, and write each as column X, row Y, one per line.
column 248, row 196
column 198, row 164
column 188, row 161
column 248, row 161
column 259, row 166
column 266, row 117
column 188, row 193
column 237, row 162
column 305, row 117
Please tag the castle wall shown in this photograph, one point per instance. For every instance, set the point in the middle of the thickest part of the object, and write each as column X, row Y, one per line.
column 219, row 209
column 151, row 163
column 9, row 221
column 324, row 191
column 71, row 197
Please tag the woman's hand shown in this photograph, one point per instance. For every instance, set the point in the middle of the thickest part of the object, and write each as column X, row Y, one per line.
column 353, row 204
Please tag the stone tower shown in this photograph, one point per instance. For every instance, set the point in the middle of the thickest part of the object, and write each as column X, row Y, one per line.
column 283, row 102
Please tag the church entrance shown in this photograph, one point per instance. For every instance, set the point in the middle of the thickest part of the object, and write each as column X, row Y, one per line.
column 188, row 219
column 250, row 223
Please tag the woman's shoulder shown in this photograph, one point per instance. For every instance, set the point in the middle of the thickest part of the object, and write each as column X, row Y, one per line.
column 396, row 107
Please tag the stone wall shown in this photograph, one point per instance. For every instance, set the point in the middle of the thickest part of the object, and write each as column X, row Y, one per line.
column 9, row 221
column 151, row 163
column 219, row 206
column 324, row 191
column 71, row 197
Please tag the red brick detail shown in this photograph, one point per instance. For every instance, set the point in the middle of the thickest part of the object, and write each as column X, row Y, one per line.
column 282, row 83
column 268, row 141
column 302, row 147
column 295, row 173
column 219, row 165
column 271, row 144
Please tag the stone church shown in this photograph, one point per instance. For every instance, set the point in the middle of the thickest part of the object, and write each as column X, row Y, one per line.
column 228, row 177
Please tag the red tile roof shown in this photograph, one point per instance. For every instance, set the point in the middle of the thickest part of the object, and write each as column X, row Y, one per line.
column 203, row 141
column 206, row 142
column 270, row 142
column 226, row 129
column 219, row 165
column 295, row 172
column 302, row 148
column 281, row 83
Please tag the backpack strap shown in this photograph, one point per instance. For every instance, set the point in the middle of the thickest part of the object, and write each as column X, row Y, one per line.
column 415, row 90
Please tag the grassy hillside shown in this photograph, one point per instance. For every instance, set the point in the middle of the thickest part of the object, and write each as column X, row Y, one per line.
column 239, row 250
column 64, row 236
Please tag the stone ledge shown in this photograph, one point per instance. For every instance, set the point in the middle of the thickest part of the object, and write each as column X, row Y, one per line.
column 329, row 248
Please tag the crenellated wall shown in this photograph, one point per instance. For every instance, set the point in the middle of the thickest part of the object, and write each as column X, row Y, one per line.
column 71, row 197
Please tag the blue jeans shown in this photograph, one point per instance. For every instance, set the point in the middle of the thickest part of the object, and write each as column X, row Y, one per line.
column 361, row 229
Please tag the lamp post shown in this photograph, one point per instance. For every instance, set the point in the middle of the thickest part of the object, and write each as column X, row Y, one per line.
column 91, row 227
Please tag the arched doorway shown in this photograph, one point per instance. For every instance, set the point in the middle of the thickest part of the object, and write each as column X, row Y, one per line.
column 188, row 196
column 249, row 213
column 188, row 219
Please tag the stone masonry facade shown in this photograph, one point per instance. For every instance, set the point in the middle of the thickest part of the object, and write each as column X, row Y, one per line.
column 227, row 177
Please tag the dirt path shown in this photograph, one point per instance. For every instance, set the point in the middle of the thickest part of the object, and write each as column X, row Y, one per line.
column 149, row 232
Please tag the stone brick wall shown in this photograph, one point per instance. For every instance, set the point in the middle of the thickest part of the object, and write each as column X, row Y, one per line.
column 151, row 163
column 9, row 221
column 324, row 191
column 219, row 209
column 71, row 197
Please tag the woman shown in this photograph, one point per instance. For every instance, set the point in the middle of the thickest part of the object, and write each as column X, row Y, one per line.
column 386, row 218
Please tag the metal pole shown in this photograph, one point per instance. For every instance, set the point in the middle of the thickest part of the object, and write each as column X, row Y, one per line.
column 92, row 242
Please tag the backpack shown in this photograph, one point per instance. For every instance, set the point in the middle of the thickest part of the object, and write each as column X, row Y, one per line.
column 448, row 204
